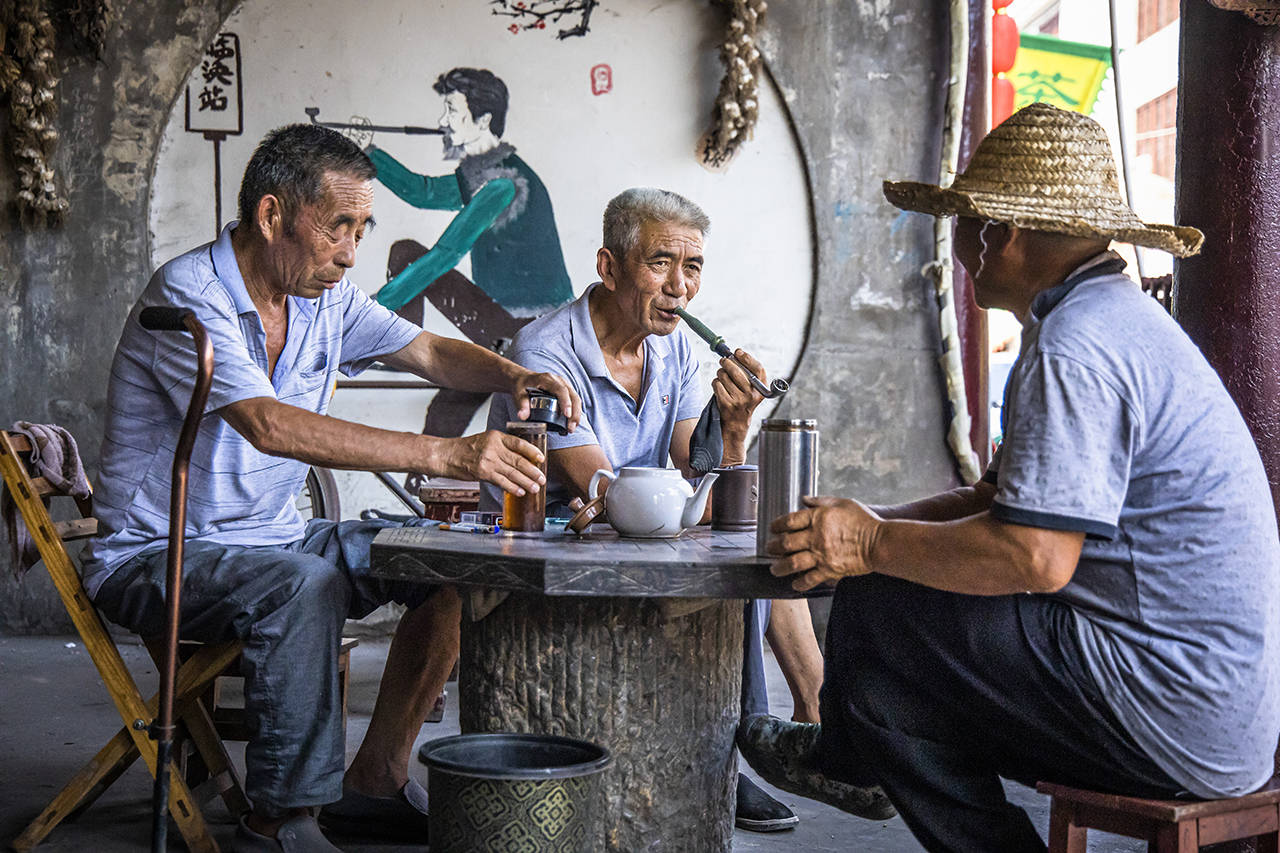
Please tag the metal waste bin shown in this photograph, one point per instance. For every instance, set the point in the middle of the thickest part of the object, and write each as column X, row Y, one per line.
column 500, row 792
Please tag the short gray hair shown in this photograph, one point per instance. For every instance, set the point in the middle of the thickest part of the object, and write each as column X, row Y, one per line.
column 630, row 209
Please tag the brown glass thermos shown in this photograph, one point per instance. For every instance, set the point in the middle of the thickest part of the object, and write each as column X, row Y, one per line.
column 527, row 512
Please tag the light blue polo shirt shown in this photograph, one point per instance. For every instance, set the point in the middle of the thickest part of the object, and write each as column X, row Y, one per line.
column 1117, row 427
column 630, row 432
column 235, row 493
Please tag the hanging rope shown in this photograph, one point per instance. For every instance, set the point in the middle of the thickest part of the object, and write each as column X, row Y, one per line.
column 942, row 270
column 29, row 79
column 733, row 119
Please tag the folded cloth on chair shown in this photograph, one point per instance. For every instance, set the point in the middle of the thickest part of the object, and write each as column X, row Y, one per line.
column 706, row 445
column 56, row 457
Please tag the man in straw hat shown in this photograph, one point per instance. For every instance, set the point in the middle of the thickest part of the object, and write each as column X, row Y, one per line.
column 1102, row 609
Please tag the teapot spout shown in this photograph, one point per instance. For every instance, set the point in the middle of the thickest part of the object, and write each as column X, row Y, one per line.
column 697, row 503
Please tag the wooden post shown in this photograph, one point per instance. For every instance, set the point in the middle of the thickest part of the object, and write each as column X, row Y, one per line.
column 1228, row 185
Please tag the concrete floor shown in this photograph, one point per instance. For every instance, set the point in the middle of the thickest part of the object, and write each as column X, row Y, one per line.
column 54, row 714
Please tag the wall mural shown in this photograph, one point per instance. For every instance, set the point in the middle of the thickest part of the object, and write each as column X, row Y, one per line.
column 534, row 14
column 504, row 220
column 496, row 154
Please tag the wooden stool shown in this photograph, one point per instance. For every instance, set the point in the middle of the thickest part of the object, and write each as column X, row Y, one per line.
column 228, row 719
column 1169, row 826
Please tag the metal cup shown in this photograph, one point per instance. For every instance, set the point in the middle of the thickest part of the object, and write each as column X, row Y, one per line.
column 788, row 470
column 733, row 498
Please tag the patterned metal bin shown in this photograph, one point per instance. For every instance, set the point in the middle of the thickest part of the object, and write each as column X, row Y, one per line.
column 513, row 793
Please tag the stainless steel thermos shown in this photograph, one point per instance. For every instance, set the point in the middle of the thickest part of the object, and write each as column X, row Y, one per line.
column 788, row 470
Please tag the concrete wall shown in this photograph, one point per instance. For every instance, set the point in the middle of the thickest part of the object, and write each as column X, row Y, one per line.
column 65, row 293
column 863, row 83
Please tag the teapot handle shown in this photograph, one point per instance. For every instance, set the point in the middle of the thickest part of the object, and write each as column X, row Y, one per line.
column 602, row 473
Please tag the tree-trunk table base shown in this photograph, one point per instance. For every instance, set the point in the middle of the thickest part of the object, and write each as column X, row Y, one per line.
column 657, row 685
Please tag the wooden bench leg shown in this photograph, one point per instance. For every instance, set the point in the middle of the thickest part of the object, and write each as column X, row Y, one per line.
column 1176, row 838
column 1064, row 835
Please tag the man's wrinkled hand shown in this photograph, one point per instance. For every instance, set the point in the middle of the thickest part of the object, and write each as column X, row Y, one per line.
column 737, row 397
column 570, row 405
column 830, row 539
column 510, row 463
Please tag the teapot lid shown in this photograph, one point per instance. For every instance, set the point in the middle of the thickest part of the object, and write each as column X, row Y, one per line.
column 651, row 472
column 586, row 515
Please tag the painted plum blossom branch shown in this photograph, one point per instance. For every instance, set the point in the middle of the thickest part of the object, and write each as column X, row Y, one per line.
column 535, row 14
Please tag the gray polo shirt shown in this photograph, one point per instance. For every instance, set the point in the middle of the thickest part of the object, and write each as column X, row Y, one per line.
column 630, row 432
column 1116, row 426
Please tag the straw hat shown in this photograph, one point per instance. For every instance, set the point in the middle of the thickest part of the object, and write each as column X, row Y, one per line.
column 1045, row 169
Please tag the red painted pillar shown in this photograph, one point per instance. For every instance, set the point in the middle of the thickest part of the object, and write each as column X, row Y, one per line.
column 1228, row 185
column 970, row 319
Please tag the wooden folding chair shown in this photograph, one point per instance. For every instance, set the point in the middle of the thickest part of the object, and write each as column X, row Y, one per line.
column 196, row 676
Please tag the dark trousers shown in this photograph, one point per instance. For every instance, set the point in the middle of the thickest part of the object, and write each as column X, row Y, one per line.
column 288, row 605
column 936, row 695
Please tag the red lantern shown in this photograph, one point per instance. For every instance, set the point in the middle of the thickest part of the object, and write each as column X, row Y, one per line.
column 1000, row 4
column 1004, row 43
column 1001, row 100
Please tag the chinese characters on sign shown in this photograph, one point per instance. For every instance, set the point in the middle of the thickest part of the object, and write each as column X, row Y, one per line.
column 1066, row 74
column 213, row 90
column 215, row 107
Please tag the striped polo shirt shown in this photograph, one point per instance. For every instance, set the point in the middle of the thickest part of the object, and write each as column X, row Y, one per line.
column 236, row 494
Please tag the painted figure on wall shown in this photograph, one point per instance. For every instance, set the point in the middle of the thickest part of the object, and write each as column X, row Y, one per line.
column 505, row 220
column 505, row 217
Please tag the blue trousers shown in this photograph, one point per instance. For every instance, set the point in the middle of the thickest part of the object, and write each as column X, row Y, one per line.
column 755, row 692
column 287, row 605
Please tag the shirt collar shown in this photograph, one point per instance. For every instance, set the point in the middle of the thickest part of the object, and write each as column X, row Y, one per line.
column 1100, row 265
column 227, row 269
column 586, row 346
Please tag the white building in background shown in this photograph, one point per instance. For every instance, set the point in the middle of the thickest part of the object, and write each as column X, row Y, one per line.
column 1147, row 35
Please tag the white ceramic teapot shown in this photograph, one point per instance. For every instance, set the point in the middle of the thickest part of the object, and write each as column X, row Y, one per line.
column 651, row 503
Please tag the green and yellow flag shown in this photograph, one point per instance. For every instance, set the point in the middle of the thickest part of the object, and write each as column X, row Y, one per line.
column 1067, row 74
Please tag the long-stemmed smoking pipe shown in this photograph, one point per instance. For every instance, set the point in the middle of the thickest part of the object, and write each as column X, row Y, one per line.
column 776, row 388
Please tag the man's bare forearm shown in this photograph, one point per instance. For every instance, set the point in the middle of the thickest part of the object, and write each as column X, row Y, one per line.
column 946, row 506
column 456, row 364
column 976, row 555
column 279, row 429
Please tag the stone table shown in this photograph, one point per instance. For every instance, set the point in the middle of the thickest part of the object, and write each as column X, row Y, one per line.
column 631, row 643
